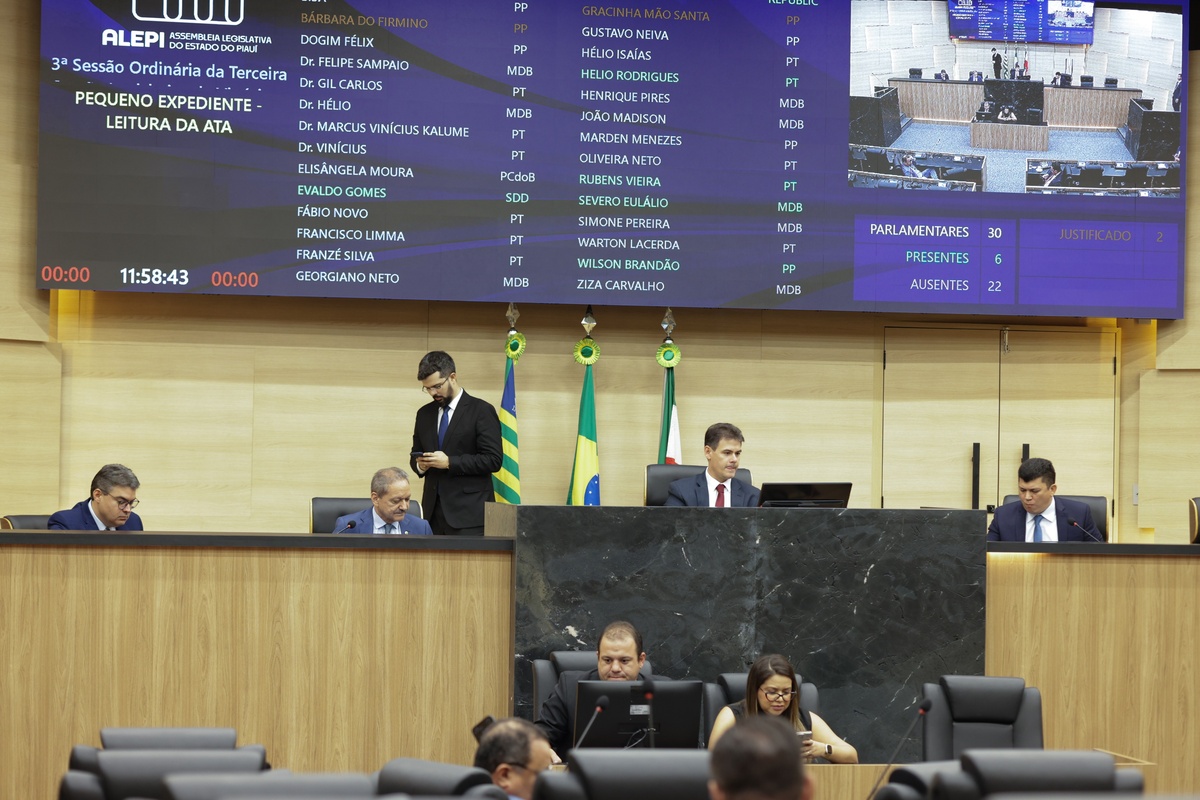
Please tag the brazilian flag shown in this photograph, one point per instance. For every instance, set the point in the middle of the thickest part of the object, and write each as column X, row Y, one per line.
column 585, row 475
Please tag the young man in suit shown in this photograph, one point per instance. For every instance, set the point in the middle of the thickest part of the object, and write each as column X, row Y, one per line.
column 456, row 448
column 110, row 508
column 388, row 513
column 716, row 486
column 1040, row 516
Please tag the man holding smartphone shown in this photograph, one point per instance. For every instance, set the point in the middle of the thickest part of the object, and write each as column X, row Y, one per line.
column 456, row 448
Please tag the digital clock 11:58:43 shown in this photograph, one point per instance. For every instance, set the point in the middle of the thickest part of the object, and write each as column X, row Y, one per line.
column 157, row 277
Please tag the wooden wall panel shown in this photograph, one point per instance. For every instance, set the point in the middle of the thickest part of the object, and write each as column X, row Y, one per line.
column 30, row 421
column 24, row 311
column 336, row 660
column 1179, row 340
column 1110, row 641
column 1167, row 477
column 178, row 416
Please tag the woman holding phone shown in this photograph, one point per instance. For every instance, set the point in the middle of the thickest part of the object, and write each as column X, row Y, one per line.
column 771, row 688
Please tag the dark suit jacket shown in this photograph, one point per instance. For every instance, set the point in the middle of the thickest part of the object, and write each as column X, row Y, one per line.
column 364, row 522
column 1008, row 523
column 475, row 450
column 694, row 492
column 79, row 518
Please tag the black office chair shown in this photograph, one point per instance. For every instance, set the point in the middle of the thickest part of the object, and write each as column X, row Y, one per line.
column 659, row 478
column 914, row 73
column 1194, row 519
column 972, row 711
column 1033, row 116
column 277, row 783
column 1096, row 504
column 661, row 774
column 141, row 773
column 731, row 687
column 1110, row 83
column 415, row 776
column 24, row 522
column 324, row 511
column 1064, row 79
column 547, row 670
column 1086, row 81
column 988, row 773
column 85, row 757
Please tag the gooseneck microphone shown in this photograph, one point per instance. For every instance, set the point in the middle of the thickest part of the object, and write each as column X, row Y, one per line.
column 926, row 704
column 1071, row 521
column 648, row 686
column 348, row 526
column 601, row 704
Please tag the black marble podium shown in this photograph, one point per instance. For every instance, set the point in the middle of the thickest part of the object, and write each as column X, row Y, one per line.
column 867, row 604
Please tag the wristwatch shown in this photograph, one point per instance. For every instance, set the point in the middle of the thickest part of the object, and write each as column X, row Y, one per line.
column 828, row 750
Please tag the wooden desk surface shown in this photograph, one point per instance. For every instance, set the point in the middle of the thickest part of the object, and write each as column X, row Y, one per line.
column 1108, row 633
column 337, row 656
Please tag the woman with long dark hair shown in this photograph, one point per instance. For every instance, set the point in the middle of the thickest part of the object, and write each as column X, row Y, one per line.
column 771, row 688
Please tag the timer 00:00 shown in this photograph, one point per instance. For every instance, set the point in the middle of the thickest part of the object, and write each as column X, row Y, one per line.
column 240, row 280
column 69, row 275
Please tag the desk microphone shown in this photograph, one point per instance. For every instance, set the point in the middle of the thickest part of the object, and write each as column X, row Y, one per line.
column 648, row 687
column 601, row 704
column 1071, row 521
column 926, row 704
column 348, row 526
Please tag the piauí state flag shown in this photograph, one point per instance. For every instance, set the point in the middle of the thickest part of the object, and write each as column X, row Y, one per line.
column 507, row 482
column 669, row 449
column 585, row 475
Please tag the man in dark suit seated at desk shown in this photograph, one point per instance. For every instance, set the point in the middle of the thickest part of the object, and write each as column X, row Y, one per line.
column 619, row 657
column 390, row 494
column 716, row 486
column 1040, row 516
column 114, row 496
column 759, row 759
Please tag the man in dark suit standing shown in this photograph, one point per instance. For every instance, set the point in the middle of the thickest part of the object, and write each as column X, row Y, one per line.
column 456, row 448
column 110, row 508
column 716, row 486
column 390, row 494
column 1040, row 516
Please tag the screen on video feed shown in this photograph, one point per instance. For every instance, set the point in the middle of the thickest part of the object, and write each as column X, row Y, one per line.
column 788, row 154
column 1048, row 21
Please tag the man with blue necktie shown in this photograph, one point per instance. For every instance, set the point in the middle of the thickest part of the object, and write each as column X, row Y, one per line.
column 1039, row 516
column 456, row 448
column 390, row 494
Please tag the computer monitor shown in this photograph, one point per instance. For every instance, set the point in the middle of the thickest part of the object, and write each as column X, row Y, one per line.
column 805, row 495
column 626, row 721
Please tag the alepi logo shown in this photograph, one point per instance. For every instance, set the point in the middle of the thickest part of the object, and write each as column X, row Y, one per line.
column 199, row 12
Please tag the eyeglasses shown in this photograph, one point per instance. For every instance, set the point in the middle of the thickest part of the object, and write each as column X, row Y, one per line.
column 436, row 387
column 122, row 503
column 777, row 694
column 520, row 766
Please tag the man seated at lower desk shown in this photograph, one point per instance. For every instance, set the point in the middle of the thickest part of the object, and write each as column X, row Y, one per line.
column 513, row 751
column 390, row 495
column 759, row 759
column 110, row 508
column 1040, row 516
column 716, row 486
column 619, row 657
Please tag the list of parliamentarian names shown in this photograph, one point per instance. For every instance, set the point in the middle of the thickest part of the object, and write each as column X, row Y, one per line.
column 532, row 150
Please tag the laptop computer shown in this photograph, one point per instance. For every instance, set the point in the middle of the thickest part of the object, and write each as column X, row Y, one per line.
column 804, row 495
